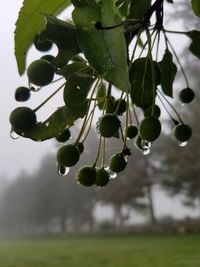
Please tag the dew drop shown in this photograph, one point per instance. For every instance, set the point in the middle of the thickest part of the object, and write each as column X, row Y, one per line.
column 112, row 175
column 145, row 144
column 34, row 89
column 126, row 158
column 13, row 134
column 62, row 170
column 146, row 152
column 182, row 144
column 106, row 167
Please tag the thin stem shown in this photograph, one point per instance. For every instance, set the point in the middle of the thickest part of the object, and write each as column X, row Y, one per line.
column 98, row 151
column 166, row 108
column 104, row 152
column 48, row 98
column 175, row 32
column 118, row 105
column 127, row 115
column 134, row 49
column 91, row 120
column 172, row 107
column 152, row 71
column 135, row 114
column 86, row 118
column 157, row 46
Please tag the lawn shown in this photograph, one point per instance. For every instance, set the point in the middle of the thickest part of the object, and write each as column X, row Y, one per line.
column 140, row 251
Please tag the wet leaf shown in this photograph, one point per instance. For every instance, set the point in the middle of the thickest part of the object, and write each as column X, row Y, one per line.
column 168, row 72
column 195, row 45
column 144, row 77
column 30, row 21
column 108, row 57
column 63, row 34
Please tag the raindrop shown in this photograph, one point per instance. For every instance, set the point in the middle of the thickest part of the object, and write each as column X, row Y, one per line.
column 112, row 175
column 182, row 144
column 78, row 87
column 145, row 144
column 35, row 89
column 182, row 104
column 106, row 167
column 126, row 158
column 62, row 170
column 47, row 124
column 13, row 134
column 146, row 152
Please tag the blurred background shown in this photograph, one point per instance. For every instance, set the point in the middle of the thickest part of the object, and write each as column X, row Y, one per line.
column 159, row 192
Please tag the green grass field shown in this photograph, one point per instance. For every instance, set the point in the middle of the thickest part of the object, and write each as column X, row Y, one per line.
column 151, row 251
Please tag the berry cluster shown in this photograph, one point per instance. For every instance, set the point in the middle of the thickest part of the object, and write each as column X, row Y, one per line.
column 86, row 89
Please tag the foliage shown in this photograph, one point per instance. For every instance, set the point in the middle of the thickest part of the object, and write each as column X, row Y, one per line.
column 109, row 45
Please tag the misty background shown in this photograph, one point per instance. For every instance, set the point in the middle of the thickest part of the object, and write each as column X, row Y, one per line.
column 34, row 198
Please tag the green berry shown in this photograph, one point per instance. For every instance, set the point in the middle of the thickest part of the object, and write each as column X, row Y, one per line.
column 182, row 132
column 102, row 177
column 68, row 155
column 86, row 175
column 108, row 125
column 42, row 45
column 64, row 136
column 40, row 72
column 117, row 163
column 186, row 95
column 150, row 128
column 120, row 105
column 138, row 143
column 22, row 94
column 23, row 118
column 80, row 147
column 156, row 112
column 132, row 131
column 49, row 58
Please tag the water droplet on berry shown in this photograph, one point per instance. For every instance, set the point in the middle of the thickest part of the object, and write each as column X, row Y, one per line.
column 112, row 175
column 126, row 158
column 145, row 144
column 182, row 144
column 146, row 152
column 14, row 135
column 34, row 89
column 62, row 170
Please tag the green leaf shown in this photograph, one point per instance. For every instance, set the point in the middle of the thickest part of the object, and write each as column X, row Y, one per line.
column 104, row 49
column 138, row 8
column 123, row 6
column 144, row 77
column 30, row 21
column 63, row 34
column 76, row 91
column 196, row 7
column 195, row 45
column 53, row 126
column 168, row 72
column 76, row 67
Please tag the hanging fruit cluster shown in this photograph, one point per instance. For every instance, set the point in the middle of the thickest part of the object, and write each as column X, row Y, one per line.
column 107, row 47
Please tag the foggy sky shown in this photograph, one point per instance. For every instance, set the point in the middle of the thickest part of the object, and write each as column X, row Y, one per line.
column 24, row 154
